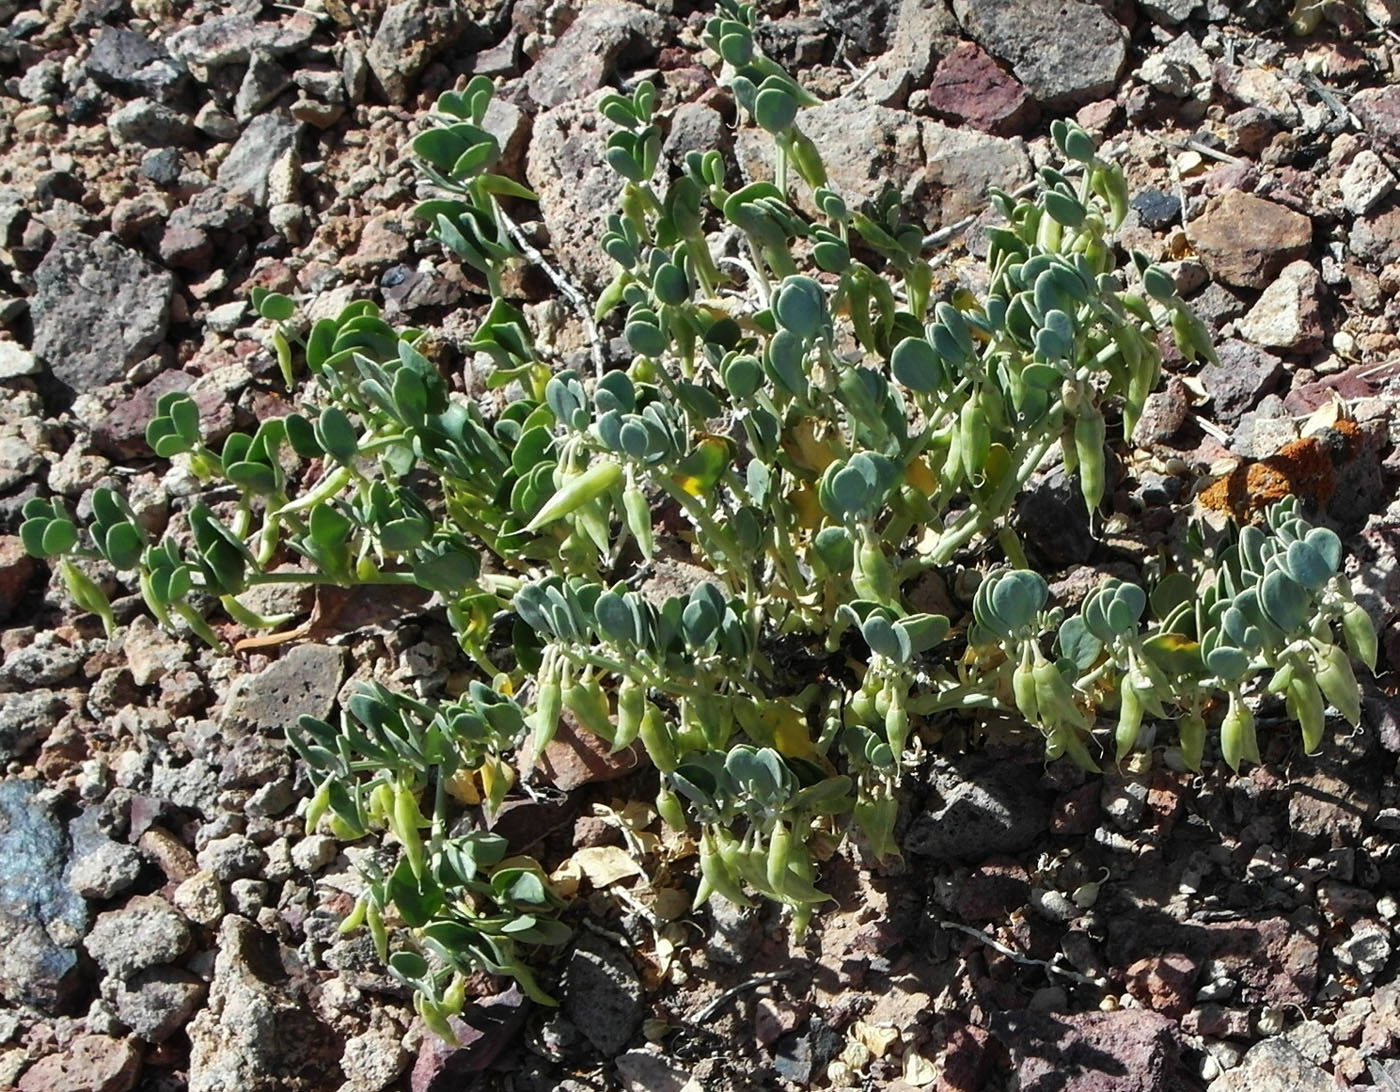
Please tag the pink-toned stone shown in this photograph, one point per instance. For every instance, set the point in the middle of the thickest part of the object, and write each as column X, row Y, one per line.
column 576, row 757
column 1246, row 241
column 16, row 571
column 1164, row 984
column 91, row 1063
column 969, row 86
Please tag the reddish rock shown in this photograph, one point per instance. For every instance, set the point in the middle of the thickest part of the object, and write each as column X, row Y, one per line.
column 969, row 86
column 121, row 434
column 16, row 571
column 993, row 892
column 1379, row 111
column 91, row 1063
column 1131, row 1050
column 965, row 1063
column 1164, row 984
column 483, row 1031
column 1248, row 258
column 576, row 757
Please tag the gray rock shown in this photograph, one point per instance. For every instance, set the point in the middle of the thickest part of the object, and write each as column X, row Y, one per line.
column 943, row 170
column 1274, row 1065
column 41, row 665
column 737, row 932
column 41, row 917
column 98, row 308
column 264, row 80
column 233, row 39
column 1244, row 375
column 249, row 164
column 156, row 1003
column 980, row 810
column 584, row 56
column 1066, row 53
column 194, row 786
column 127, row 63
column 16, row 361
column 577, row 189
column 144, row 121
column 232, row 857
column 26, row 719
column 259, row 1032
column 1169, row 12
column 863, row 22
column 146, row 932
column 1288, row 315
column 410, row 34
column 314, row 852
column 303, row 682
column 105, row 869
column 602, row 994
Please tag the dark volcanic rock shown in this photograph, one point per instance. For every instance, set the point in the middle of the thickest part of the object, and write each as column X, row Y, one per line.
column 980, row 810
column 602, row 994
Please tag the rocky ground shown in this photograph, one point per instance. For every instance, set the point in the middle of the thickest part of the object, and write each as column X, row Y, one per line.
column 164, row 922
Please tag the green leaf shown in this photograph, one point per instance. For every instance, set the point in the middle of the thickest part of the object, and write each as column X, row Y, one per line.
column 336, row 435
column 774, row 109
column 915, row 364
column 800, row 306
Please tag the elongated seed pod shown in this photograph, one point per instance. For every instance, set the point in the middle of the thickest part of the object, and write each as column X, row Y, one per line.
column 655, row 734
column 1360, row 634
column 1237, row 739
column 1129, row 717
column 1023, row 687
column 638, row 513
column 1191, row 730
column 406, row 820
column 631, row 708
column 1338, row 683
column 1088, row 446
column 779, row 850
column 1305, row 703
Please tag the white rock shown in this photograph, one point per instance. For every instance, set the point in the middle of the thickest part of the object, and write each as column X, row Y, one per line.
column 1289, row 313
column 1365, row 182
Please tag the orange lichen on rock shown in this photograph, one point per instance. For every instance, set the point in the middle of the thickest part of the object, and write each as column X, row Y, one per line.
column 1305, row 468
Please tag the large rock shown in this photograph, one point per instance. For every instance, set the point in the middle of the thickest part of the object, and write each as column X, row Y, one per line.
column 602, row 994
column 1379, row 111
column 259, row 1033
column 98, row 308
column 584, row 56
column 980, row 810
column 1246, row 241
column 941, row 174
column 146, row 932
column 233, row 39
column 26, row 719
column 1127, row 1051
column 1275, row 1065
column 576, row 187
column 90, row 1063
column 41, row 917
column 303, row 682
column 127, row 63
column 413, row 32
column 969, row 86
column 1244, row 375
column 1289, row 314
column 1066, row 52
column 265, row 142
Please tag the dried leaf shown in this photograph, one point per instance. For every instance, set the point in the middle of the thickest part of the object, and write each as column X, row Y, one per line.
column 606, row 865
column 918, row 1070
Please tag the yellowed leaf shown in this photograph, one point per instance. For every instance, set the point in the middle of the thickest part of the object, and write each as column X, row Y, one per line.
column 606, row 865
column 918, row 1070
column 877, row 1040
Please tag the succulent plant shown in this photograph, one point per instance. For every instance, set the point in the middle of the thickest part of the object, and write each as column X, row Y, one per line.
column 825, row 432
